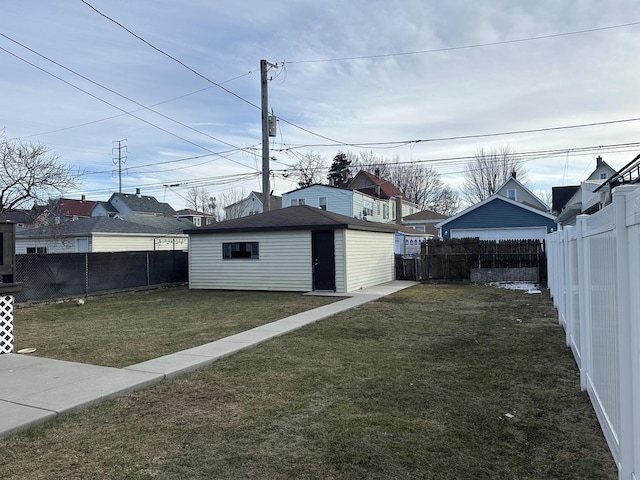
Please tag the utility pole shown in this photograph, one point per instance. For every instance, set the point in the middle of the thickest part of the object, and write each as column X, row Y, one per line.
column 266, row 133
column 119, row 160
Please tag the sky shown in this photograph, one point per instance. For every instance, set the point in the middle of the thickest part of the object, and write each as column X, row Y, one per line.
column 423, row 81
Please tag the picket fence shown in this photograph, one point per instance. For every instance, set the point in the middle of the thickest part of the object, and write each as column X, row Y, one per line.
column 594, row 279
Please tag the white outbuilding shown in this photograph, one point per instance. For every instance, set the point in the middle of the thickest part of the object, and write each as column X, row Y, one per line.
column 298, row 248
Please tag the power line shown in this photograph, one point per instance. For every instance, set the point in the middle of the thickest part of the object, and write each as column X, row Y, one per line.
column 475, row 45
column 133, row 111
column 155, row 164
column 463, row 137
column 525, row 156
column 115, row 106
column 117, row 93
column 159, row 50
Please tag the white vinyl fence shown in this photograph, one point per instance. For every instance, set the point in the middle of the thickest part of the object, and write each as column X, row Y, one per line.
column 594, row 279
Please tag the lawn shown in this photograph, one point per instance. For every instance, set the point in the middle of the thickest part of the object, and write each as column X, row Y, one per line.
column 416, row 385
column 127, row 328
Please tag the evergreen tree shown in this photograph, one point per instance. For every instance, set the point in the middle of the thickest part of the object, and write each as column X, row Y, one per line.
column 338, row 169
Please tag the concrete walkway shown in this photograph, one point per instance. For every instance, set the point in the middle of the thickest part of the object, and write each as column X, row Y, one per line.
column 35, row 389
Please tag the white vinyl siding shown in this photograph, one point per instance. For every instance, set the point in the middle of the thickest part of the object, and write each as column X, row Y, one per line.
column 522, row 233
column 370, row 258
column 52, row 245
column 338, row 200
column 284, row 263
column 132, row 243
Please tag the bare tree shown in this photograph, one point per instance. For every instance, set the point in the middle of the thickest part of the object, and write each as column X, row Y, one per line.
column 232, row 203
column 29, row 172
column 309, row 169
column 420, row 183
column 198, row 198
column 488, row 171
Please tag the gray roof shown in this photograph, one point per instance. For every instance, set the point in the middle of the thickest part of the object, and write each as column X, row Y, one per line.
column 301, row 217
column 141, row 224
column 168, row 224
column 144, row 203
column 106, row 205
column 17, row 216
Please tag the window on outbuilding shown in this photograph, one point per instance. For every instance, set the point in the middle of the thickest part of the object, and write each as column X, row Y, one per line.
column 36, row 249
column 236, row 250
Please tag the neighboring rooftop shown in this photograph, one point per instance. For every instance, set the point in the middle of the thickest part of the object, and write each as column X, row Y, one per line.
column 122, row 224
column 142, row 204
column 374, row 186
column 301, row 217
column 425, row 215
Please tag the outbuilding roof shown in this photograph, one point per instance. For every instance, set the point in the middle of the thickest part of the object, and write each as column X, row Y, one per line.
column 302, row 217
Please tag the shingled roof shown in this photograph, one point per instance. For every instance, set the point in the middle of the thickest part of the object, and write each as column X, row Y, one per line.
column 70, row 207
column 387, row 190
column 302, row 217
column 142, row 204
column 139, row 224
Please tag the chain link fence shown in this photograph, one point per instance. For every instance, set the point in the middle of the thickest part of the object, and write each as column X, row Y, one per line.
column 47, row 277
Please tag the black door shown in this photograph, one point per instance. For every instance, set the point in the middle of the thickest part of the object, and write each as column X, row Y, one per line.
column 324, row 266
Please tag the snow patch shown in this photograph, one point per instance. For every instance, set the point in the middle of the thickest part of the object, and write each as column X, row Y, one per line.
column 525, row 286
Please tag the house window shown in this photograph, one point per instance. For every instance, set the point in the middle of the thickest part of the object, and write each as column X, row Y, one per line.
column 197, row 221
column 322, row 203
column 240, row 250
column 385, row 211
column 36, row 249
column 603, row 176
column 297, row 201
column 378, row 208
column 368, row 208
column 511, row 194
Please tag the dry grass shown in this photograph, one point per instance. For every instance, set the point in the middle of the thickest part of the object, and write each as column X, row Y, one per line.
column 127, row 328
column 414, row 386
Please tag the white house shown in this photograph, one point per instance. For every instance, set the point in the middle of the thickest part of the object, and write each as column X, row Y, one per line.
column 351, row 203
column 251, row 205
column 106, row 234
column 300, row 248
column 586, row 198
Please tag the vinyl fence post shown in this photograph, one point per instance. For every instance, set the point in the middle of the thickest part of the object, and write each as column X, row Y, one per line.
column 626, row 359
column 584, row 312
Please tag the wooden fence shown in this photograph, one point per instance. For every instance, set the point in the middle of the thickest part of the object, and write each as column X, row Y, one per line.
column 459, row 258
column 594, row 279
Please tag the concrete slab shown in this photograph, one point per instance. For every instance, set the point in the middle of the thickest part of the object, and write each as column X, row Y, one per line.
column 14, row 417
column 60, row 386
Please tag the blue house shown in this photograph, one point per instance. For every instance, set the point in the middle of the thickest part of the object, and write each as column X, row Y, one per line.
column 512, row 213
